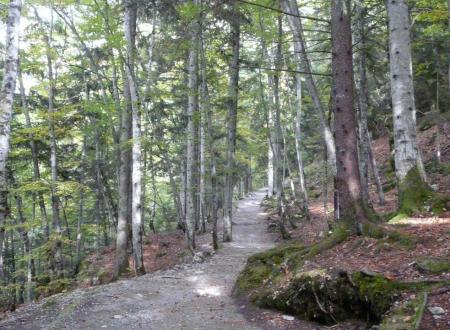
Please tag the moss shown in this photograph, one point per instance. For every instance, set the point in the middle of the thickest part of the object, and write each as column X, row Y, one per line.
column 414, row 193
column 440, row 204
column 388, row 236
column 49, row 303
column 54, row 287
column 377, row 291
column 435, row 266
column 261, row 266
column 406, row 315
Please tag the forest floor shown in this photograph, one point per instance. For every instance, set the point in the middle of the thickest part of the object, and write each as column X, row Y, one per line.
column 187, row 296
column 430, row 232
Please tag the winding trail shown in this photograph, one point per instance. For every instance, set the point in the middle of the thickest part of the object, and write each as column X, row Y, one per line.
column 193, row 296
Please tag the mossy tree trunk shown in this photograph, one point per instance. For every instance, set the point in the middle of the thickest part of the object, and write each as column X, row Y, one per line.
column 408, row 163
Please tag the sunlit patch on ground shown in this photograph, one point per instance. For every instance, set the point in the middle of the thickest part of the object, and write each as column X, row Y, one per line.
column 423, row 221
column 203, row 286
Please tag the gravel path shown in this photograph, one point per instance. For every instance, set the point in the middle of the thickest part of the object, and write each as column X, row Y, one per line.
column 194, row 296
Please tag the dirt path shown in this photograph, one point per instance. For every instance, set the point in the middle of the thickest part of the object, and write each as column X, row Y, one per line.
column 195, row 296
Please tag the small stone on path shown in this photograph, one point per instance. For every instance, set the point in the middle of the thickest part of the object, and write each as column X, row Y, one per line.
column 288, row 318
column 436, row 310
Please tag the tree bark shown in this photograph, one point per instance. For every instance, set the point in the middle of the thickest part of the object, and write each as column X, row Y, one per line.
column 6, row 106
column 136, row 177
column 232, row 104
column 298, row 139
column 363, row 103
column 191, row 158
column 348, row 184
column 407, row 154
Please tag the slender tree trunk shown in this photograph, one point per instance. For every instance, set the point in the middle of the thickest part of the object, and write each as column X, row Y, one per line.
column 191, row 158
column 232, row 104
column 136, row 178
column 6, row 104
column 27, row 247
column 121, row 263
column 408, row 164
column 58, row 255
column 279, row 177
column 296, row 26
column 363, row 104
column 348, row 184
column 376, row 173
column 205, row 145
column 34, row 156
column 80, row 219
column 209, row 140
column 298, row 139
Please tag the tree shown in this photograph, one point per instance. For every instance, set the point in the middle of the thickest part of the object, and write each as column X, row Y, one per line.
column 136, row 172
column 232, row 105
column 191, row 155
column 408, row 163
column 6, row 105
column 347, row 182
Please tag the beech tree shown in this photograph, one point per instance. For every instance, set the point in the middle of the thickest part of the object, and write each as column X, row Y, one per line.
column 6, row 105
column 408, row 163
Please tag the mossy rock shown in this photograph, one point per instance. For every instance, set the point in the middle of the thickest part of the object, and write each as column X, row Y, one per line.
column 54, row 287
column 262, row 265
column 434, row 266
column 285, row 278
column 329, row 297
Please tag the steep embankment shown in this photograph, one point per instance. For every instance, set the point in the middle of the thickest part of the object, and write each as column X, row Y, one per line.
column 398, row 276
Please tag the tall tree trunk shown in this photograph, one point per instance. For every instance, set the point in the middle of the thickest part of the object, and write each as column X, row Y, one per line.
column 304, row 65
column 136, row 178
column 408, row 164
column 363, row 103
column 348, row 184
column 298, row 139
column 121, row 262
column 205, row 144
column 58, row 254
column 232, row 104
column 191, row 158
column 6, row 103
column 279, row 177
column 209, row 140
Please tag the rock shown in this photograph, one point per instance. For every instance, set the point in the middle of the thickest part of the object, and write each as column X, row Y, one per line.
column 117, row 316
column 201, row 256
column 288, row 318
column 436, row 310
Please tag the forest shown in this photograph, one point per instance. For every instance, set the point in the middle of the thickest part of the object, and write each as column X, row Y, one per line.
column 252, row 164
